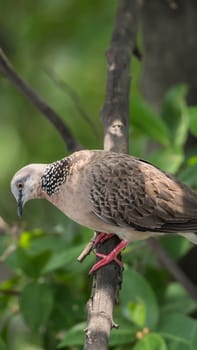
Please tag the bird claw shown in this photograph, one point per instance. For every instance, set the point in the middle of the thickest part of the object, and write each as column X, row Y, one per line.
column 105, row 260
column 112, row 256
column 102, row 237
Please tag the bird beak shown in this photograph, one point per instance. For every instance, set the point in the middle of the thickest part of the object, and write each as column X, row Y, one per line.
column 20, row 204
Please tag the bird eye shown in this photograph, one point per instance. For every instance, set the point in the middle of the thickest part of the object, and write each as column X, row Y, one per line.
column 20, row 185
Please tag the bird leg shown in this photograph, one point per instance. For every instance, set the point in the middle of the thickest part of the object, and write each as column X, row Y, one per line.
column 112, row 256
column 102, row 237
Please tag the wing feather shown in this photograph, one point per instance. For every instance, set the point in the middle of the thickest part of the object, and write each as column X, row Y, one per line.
column 127, row 191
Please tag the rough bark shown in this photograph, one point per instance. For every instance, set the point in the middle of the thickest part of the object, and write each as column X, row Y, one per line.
column 115, row 114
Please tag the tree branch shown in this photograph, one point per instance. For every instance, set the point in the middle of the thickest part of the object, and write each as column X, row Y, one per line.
column 7, row 69
column 115, row 116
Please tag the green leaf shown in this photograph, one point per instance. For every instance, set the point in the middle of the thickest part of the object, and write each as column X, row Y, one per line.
column 178, row 327
column 176, row 246
column 36, row 303
column 137, row 290
column 192, row 112
column 151, row 341
column 138, row 312
column 44, row 243
column 74, row 336
column 30, row 265
column 174, row 345
column 168, row 159
column 188, row 175
column 63, row 258
column 175, row 115
column 2, row 345
column 194, row 338
column 176, row 299
column 123, row 335
column 144, row 119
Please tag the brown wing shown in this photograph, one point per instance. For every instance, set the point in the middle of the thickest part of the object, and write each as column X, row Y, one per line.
column 126, row 191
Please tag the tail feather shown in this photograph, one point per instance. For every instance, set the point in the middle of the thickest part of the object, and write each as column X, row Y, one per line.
column 187, row 229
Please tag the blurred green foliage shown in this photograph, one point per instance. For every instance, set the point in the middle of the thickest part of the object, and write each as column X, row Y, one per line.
column 43, row 301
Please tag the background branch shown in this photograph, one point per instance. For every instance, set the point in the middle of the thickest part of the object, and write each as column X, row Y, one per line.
column 10, row 73
column 115, row 116
column 72, row 94
column 10, row 292
column 172, row 267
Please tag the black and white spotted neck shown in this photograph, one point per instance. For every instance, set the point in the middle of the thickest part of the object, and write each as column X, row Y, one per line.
column 55, row 175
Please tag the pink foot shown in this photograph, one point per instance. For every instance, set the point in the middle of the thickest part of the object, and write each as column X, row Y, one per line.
column 102, row 237
column 112, row 256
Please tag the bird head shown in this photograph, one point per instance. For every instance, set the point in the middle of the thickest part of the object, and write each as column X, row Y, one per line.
column 25, row 185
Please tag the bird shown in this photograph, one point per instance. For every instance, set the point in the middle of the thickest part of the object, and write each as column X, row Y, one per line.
column 111, row 193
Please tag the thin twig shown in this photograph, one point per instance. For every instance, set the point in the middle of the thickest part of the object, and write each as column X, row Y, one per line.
column 9, row 292
column 74, row 98
column 7, row 69
column 9, row 250
column 172, row 267
column 88, row 248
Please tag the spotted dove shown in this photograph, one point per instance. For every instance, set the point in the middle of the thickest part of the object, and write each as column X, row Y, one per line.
column 112, row 193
